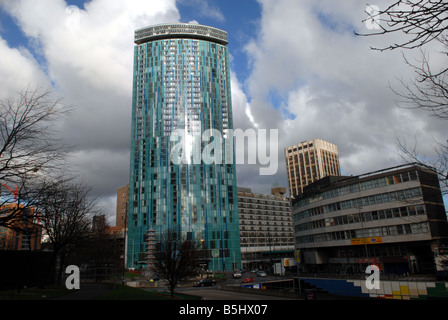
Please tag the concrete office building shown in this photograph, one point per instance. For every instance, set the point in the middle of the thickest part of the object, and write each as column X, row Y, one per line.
column 181, row 90
column 23, row 233
column 393, row 218
column 122, row 206
column 265, row 227
column 310, row 161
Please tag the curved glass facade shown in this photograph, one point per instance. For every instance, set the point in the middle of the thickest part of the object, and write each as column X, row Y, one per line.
column 181, row 92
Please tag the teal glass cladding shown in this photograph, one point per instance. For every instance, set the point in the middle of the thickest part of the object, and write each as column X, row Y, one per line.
column 182, row 83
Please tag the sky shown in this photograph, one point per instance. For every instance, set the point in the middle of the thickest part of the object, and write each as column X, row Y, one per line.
column 296, row 67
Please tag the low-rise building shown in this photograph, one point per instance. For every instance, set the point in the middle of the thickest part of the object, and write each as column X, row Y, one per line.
column 24, row 232
column 393, row 218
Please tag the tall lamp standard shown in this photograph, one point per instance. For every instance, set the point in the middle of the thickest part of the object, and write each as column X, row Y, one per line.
column 363, row 233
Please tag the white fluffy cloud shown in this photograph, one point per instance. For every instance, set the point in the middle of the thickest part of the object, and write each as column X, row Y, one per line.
column 87, row 55
column 17, row 69
column 311, row 77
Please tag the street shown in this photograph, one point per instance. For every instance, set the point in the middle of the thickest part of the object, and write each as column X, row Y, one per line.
column 217, row 294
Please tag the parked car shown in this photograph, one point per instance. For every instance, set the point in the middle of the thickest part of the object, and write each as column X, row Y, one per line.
column 261, row 273
column 236, row 275
column 205, row 283
column 248, row 279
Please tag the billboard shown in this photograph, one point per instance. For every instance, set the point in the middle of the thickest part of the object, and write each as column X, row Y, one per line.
column 370, row 240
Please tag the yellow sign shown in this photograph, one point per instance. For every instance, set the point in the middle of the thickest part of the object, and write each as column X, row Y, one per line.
column 370, row 240
column 297, row 255
column 358, row 241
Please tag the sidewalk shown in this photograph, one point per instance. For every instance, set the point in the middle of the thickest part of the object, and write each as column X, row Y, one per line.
column 87, row 291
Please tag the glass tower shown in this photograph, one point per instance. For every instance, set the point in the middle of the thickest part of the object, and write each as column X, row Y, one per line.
column 182, row 171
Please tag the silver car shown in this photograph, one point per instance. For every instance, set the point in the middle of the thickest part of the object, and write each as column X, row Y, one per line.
column 261, row 273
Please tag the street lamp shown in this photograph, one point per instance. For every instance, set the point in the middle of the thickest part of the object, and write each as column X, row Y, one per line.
column 363, row 233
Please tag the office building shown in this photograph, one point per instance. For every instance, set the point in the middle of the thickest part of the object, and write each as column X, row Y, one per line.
column 310, row 161
column 393, row 218
column 24, row 233
column 265, row 228
column 122, row 206
column 181, row 98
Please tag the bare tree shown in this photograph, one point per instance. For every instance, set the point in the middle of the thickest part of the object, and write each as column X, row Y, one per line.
column 422, row 20
column 29, row 147
column 66, row 212
column 437, row 163
column 429, row 91
column 175, row 260
column 99, row 252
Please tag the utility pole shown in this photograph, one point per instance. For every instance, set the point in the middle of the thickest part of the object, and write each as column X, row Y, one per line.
column 363, row 233
column 297, row 254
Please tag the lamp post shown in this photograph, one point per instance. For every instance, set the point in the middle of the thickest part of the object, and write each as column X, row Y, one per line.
column 363, row 233
column 297, row 254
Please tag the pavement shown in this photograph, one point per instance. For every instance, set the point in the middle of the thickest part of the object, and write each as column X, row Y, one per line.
column 87, row 291
column 211, row 293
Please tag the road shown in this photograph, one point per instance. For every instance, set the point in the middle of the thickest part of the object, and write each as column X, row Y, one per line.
column 217, row 294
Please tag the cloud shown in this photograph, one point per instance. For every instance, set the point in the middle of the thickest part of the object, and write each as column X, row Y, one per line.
column 87, row 55
column 311, row 77
column 240, row 104
column 12, row 60
column 205, row 8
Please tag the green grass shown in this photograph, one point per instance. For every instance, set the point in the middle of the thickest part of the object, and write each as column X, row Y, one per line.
column 121, row 292
column 34, row 293
column 129, row 293
column 132, row 274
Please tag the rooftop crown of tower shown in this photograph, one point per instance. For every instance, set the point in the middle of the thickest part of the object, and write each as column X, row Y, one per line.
column 181, row 30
